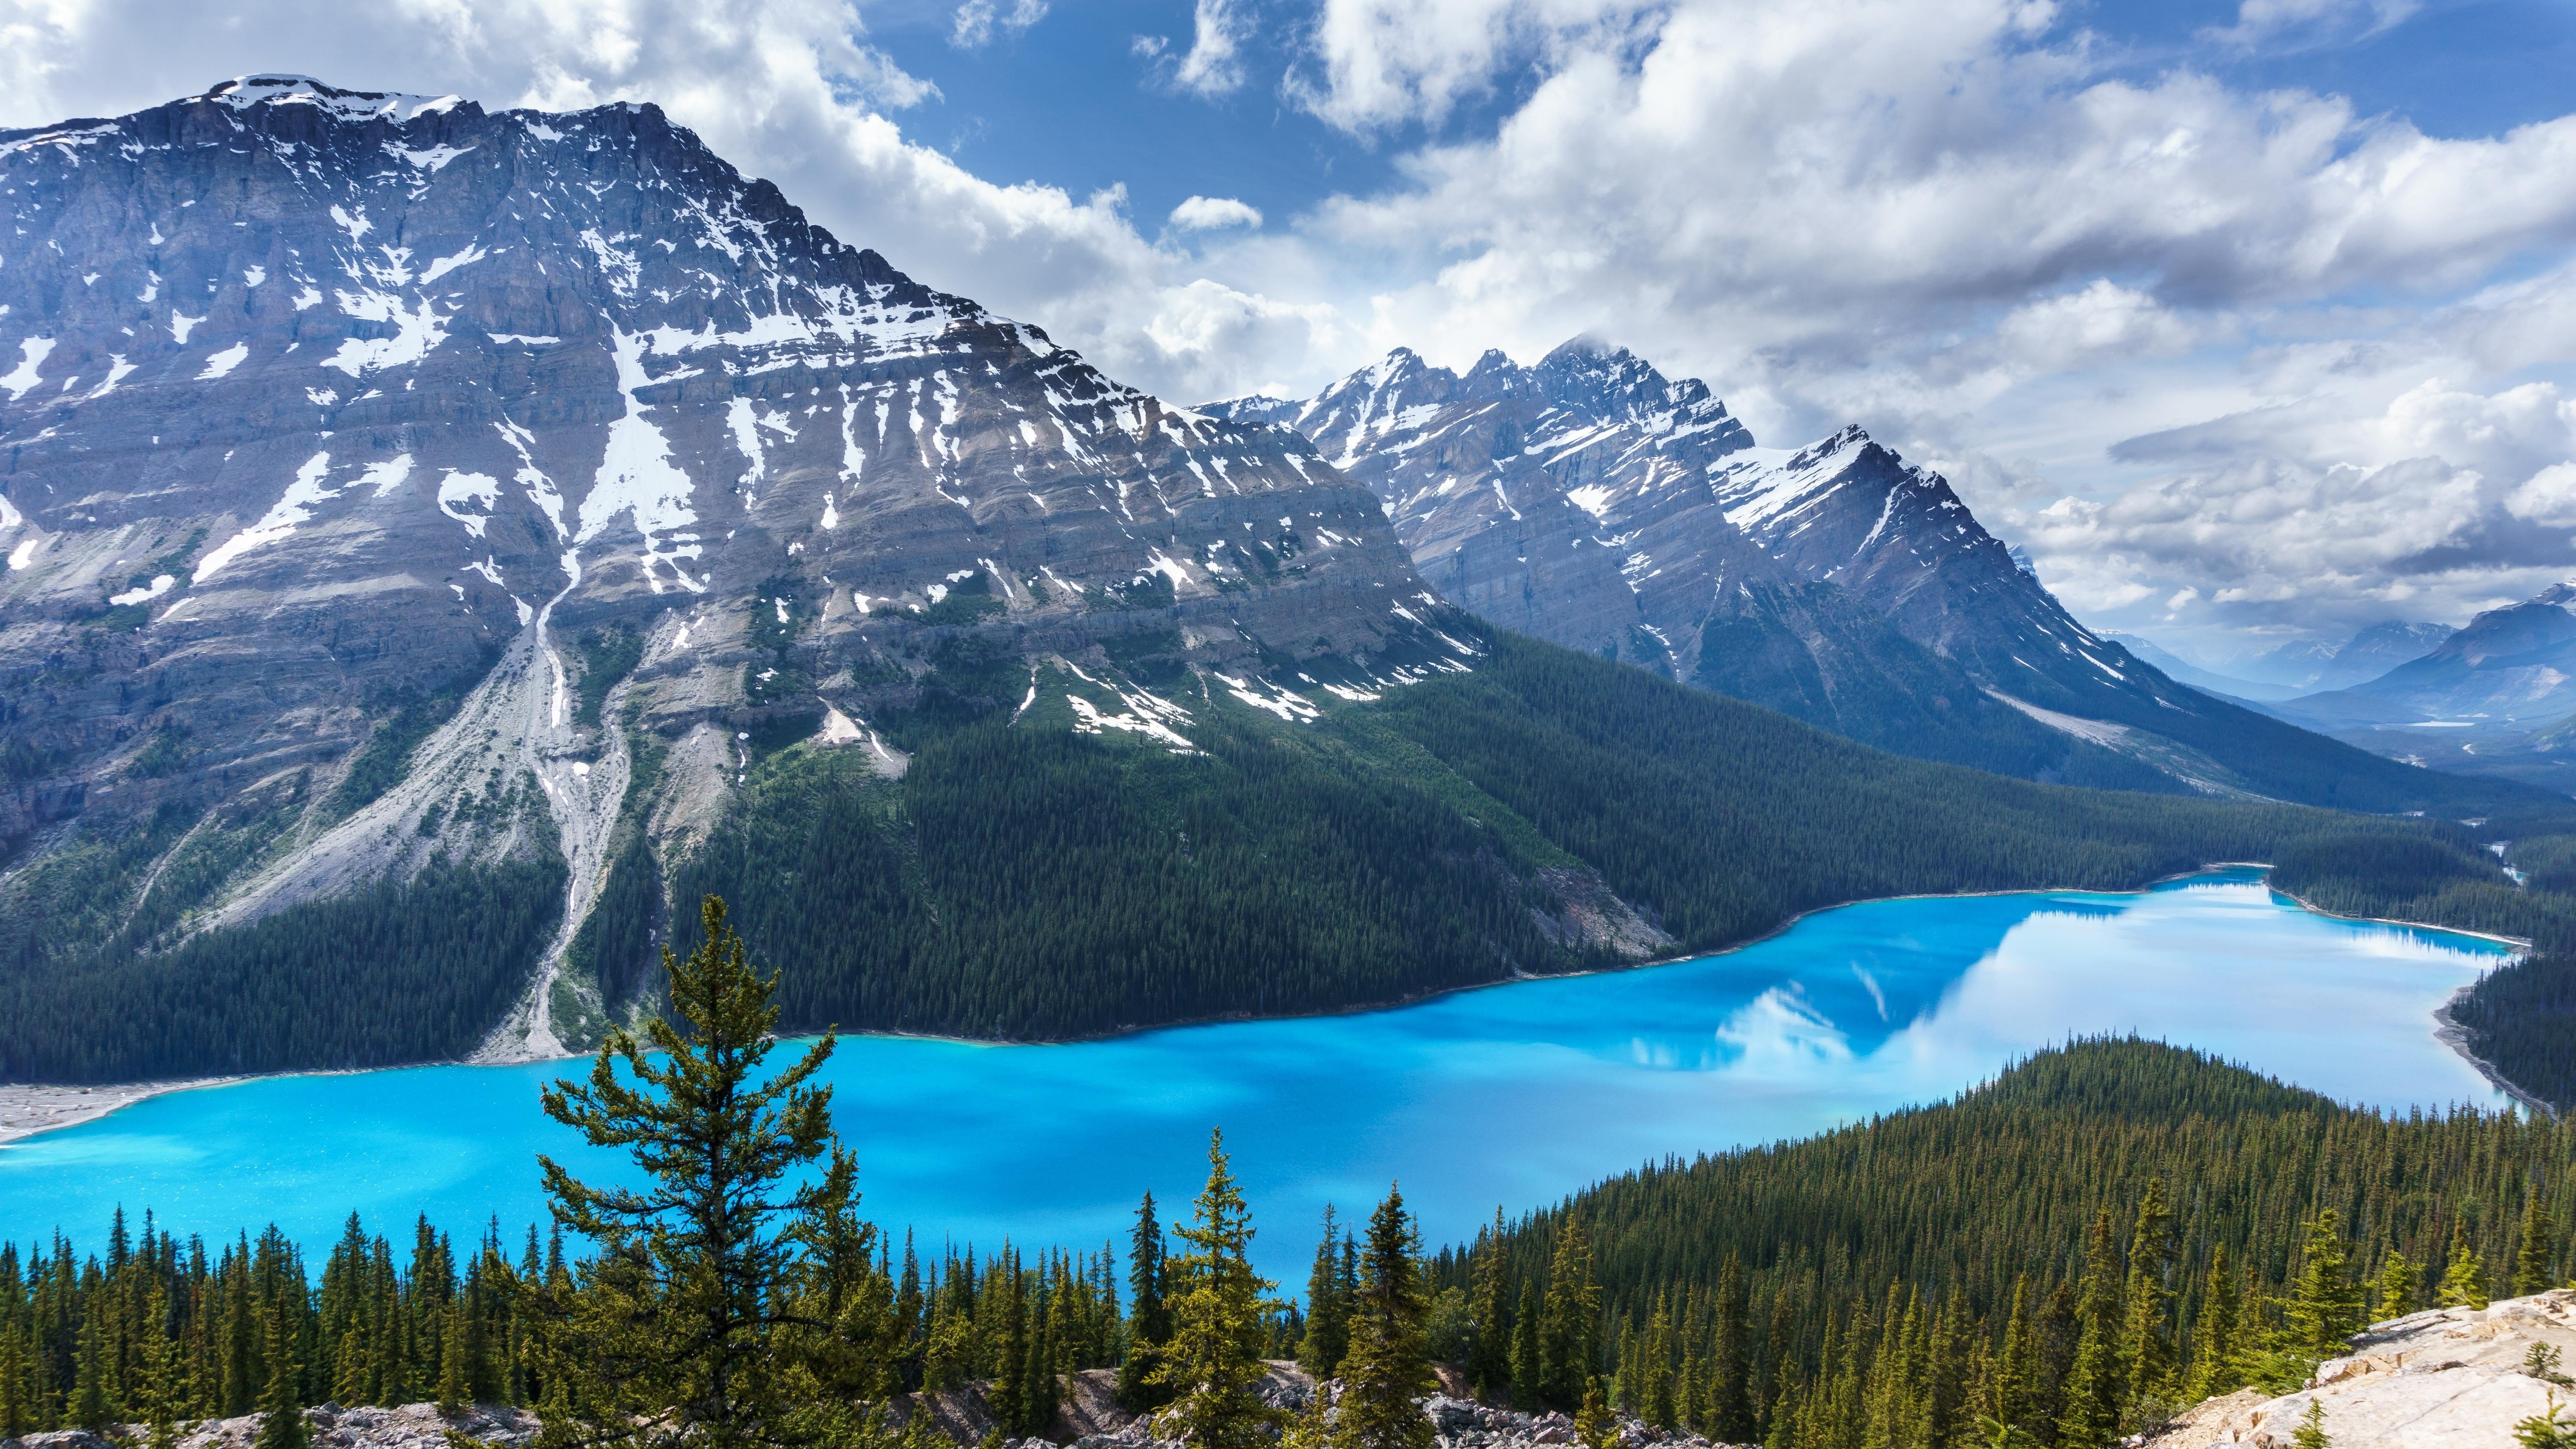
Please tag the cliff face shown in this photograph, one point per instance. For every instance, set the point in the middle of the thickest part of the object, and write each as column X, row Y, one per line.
column 330, row 415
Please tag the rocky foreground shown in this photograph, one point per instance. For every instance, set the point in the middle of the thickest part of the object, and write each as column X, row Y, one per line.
column 2447, row 1378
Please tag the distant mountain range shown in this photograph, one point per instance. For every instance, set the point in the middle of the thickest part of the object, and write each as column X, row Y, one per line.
column 2495, row 697
column 1595, row 503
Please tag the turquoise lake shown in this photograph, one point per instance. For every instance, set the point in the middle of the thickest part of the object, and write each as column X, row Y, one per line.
column 1511, row 1095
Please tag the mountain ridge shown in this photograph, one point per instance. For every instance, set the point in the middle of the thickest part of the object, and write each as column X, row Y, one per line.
column 1514, row 515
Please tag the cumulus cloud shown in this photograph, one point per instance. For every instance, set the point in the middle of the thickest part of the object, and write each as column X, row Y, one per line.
column 1379, row 64
column 1209, row 213
column 2441, row 502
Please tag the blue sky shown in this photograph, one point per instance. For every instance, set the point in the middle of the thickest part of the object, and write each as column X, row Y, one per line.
column 1069, row 103
column 2251, row 319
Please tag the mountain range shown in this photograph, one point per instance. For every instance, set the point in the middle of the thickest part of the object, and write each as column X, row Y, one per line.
column 1591, row 501
column 623, row 537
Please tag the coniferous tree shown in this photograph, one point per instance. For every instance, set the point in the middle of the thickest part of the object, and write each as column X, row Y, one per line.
column 1529, row 1355
column 2393, row 1289
column 1006, row 1308
column 17, row 1396
column 1570, row 1335
column 2325, row 1306
column 2464, row 1278
column 2214, row 1369
column 281, row 1407
column 2094, row 1392
column 1727, row 1402
column 1594, row 1427
column 674, row 1336
column 2311, row 1432
column 93, row 1403
column 1150, row 1319
column 2537, row 1255
column 1388, row 1363
column 163, row 1394
column 2146, row 1347
column 1327, row 1311
column 1213, row 1361
column 1489, row 1362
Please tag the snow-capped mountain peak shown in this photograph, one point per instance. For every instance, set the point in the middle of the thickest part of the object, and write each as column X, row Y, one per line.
column 286, row 89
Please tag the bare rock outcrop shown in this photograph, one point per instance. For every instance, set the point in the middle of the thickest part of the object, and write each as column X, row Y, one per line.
column 2447, row 1378
column 412, row 1426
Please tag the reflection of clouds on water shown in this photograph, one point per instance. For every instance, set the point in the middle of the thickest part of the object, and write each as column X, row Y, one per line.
column 2344, row 1011
column 1876, row 996
column 1780, row 1031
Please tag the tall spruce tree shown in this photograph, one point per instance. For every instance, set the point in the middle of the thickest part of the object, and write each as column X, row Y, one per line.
column 1570, row 1336
column 2537, row 1255
column 677, row 1332
column 1727, row 1402
column 1213, row 1361
column 2215, row 1337
column 1328, row 1310
column 1388, row 1363
column 1149, row 1324
column 281, row 1404
column 1529, row 1353
column 2094, row 1392
column 1489, row 1361
column 2146, row 1345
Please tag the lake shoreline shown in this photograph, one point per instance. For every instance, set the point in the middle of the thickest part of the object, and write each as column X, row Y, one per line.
column 30, row 1110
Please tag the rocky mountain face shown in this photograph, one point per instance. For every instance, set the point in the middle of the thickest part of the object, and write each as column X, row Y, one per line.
column 1593, row 502
column 368, row 457
column 1578, row 500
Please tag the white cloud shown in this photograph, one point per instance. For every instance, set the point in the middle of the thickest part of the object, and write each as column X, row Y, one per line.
column 2441, row 502
column 972, row 26
column 2101, row 322
column 1209, row 213
column 2269, row 23
column 1385, row 62
column 1214, row 65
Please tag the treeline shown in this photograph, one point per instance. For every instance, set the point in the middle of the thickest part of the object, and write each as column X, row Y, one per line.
column 1034, row 883
column 2103, row 1235
column 391, row 974
column 161, row 1329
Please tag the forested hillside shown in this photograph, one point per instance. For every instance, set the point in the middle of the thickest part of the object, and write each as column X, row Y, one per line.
column 2100, row 1235
column 1025, row 882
